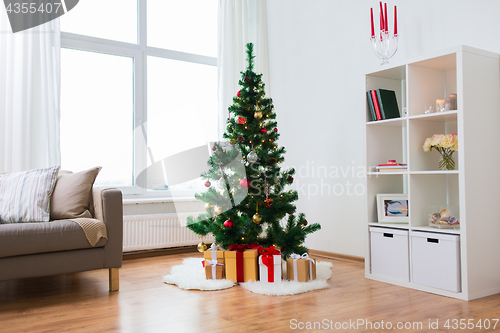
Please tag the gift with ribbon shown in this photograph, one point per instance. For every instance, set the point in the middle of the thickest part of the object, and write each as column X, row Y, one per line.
column 214, row 253
column 214, row 270
column 300, row 268
column 270, row 264
column 241, row 262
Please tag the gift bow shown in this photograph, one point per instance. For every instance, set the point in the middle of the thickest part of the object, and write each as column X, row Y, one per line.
column 296, row 257
column 243, row 247
column 214, row 248
column 214, row 264
column 268, row 251
column 267, row 254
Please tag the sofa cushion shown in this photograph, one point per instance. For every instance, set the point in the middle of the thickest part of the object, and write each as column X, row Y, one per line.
column 40, row 237
column 72, row 195
column 25, row 196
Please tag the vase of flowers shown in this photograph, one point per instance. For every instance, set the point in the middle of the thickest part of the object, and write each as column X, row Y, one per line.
column 446, row 145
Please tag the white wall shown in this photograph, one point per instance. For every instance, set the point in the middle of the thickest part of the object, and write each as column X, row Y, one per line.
column 319, row 51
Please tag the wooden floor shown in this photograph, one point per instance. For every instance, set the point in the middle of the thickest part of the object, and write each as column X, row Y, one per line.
column 82, row 303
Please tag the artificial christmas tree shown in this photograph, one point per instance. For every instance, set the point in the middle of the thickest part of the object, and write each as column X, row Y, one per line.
column 247, row 197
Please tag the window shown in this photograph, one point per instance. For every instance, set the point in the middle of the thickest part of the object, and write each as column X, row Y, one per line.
column 138, row 90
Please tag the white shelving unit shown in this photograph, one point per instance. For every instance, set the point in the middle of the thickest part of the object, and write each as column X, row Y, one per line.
column 473, row 189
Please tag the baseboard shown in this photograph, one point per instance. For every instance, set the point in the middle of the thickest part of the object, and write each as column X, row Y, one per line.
column 337, row 256
column 193, row 249
column 159, row 252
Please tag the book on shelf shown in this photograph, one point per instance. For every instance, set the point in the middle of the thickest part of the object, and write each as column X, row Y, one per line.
column 387, row 103
column 375, row 104
column 392, row 166
column 370, row 105
column 400, row 169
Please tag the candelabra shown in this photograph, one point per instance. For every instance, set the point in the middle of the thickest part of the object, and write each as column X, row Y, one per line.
column 385, row 46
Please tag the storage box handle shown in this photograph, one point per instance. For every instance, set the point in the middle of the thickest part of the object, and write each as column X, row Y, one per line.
column 388, row 235
column 432, row 240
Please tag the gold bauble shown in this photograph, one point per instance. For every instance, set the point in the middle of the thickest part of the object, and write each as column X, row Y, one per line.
column 207, row 206
column 232, row 141
column 257, row 114
column 218, row 210
column 202, row 247
column 256, row 218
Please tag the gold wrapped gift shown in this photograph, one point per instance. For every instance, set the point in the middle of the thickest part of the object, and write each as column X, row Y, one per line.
column 248, row 265
column 300, row 268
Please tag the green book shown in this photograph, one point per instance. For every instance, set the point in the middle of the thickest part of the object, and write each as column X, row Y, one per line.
column 388, row 104
column 370, row 104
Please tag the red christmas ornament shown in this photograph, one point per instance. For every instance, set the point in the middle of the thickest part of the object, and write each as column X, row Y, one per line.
column 213, row 148
column 244, row 183
column 228, row 224
column 276, row 130
column 242, row 121
column 263, row 131
column 238, row 93
column 207, row 183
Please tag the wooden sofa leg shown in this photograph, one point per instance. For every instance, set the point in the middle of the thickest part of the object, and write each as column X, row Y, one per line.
column 114, row 279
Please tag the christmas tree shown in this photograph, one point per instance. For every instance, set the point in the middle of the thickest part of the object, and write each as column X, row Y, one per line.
column 247, row 199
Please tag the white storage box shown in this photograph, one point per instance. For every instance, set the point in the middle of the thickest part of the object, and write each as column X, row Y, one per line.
column 389, row 253
column 436, row 260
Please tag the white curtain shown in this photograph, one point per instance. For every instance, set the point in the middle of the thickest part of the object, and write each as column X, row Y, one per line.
column 240, row 22
column 29, row 96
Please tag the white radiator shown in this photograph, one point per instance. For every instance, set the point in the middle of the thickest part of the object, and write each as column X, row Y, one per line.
column 144, row 232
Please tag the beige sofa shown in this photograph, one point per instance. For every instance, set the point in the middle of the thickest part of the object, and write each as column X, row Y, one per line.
column 57, row 247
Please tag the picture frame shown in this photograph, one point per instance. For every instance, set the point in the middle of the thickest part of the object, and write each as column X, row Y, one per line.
column 392, row 208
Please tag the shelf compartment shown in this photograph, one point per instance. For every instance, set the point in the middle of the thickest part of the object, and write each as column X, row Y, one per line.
column 387, row 184
column 432, row 191
column 429, row 81
column 422, row 128
column 390, row 79
column 385, row 143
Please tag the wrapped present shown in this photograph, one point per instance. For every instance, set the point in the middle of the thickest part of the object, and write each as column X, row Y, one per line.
column 213, row 254
column 241, row 263
column 214, row 270
column 300, row 268
column 270, row 265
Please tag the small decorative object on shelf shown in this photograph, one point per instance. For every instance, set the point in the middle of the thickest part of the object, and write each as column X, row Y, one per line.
column 444, row 220
column 440, row 105
column 392, row 208
column 385, row 46
column 450, row 102
column 446, row 145
column 429, row 109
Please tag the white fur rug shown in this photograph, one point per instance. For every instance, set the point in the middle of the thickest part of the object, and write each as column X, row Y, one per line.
column 191, row 275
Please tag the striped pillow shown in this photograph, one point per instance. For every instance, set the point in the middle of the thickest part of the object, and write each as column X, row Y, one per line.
column 25, row 196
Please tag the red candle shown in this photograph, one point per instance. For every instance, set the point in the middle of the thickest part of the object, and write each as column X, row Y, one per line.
column 373, row 29
column 395, row 22
column 381, row 17
column 381, row 22
column 386, row 26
